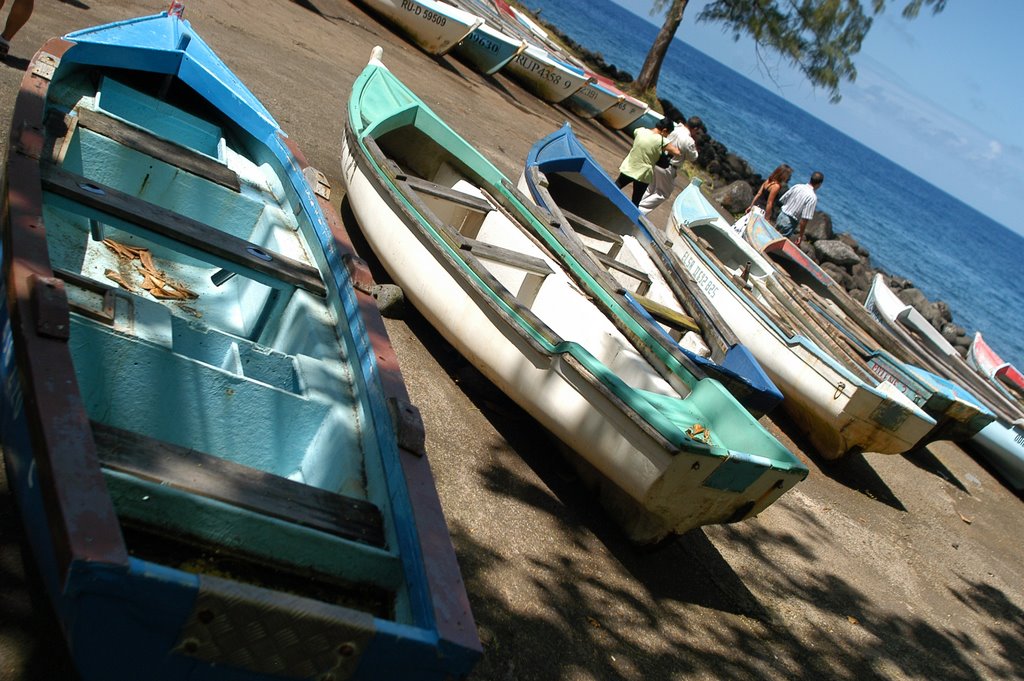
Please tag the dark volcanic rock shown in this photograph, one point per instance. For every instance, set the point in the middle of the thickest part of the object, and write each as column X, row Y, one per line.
column 951, row 332
column 860, row 277
column 841, row 276
column 914, row 298
column 819, row 228
column 734, row 197
column 833, row 250
column 847, row 239
column 858, row 294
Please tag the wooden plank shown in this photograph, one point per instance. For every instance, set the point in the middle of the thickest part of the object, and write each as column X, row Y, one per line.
column 667, row 315
column 209, row 476
column 446, row 193
column 507, row 256
column 612, row 263
column 145, row 142
column 591, row 229
column 179, row 228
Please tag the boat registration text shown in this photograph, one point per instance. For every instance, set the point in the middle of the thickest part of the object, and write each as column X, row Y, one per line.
column 420, row 11
column 704, row 279
column 542, row 71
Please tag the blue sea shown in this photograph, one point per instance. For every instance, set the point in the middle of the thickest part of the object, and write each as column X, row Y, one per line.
column 912, row 229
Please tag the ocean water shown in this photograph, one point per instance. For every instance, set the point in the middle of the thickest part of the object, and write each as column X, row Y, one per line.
column 911, row 228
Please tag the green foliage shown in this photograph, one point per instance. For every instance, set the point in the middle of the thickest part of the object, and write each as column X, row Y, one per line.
column 819, row 37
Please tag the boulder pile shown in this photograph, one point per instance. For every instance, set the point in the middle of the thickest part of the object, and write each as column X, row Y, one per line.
column 838, row 253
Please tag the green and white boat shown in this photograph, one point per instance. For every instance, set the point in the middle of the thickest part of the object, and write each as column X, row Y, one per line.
column 473, row 256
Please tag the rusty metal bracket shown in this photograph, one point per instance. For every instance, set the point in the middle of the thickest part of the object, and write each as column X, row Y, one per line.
column 318, row 181
column 408, row 423
column 358, row 272
column 50, row 308
column 45, row 65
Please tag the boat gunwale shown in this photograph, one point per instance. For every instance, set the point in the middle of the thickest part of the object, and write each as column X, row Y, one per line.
column 84, row 528
column 482, row 285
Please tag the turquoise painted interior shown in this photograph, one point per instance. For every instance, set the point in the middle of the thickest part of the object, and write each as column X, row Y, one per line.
column 259, row 374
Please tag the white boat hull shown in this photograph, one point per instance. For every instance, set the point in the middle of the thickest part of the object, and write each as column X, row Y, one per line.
column 435, row 27
column 548, row 79
column 654, row 491
column 1003, row 446
column 622, row 114
column 591, row 100
column 488, row 50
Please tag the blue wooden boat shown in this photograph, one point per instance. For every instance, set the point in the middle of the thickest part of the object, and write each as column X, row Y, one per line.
column 204, row 425
column 627, row 257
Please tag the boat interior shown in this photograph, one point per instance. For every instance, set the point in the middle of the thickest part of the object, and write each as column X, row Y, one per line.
column 219, row 366
column 609, row 235
column 483, row 233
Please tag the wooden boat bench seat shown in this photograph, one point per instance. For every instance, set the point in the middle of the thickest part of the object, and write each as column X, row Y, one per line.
column 251, row 489
column 643, row 281
column 145, row 142
column 588, row 228
column 148, row 220
column 439, row 191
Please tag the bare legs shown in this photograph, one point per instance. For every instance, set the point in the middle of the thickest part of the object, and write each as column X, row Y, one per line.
column 21, row 10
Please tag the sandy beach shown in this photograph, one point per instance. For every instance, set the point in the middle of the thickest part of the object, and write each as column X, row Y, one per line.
column 894, row 567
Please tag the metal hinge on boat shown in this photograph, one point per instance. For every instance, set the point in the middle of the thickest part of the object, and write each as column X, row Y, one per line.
column 50, row 308
column 318, row 181
column 409, row 430
column 45, row 65
column 358, row 272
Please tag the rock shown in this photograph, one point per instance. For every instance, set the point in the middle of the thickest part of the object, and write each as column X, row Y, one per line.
column 390, row 300
column 734, row 197
column 841, row 276
column 860, row 278
column 914, row 298
column 808, row 249
column 819, row 228
column 898, row 283
column 933, row 313
column 832, row 250
column 951, row 332
column 858, row 294
column 963, row 342
column 740, row 167
column 944, row 312
column 853, row 243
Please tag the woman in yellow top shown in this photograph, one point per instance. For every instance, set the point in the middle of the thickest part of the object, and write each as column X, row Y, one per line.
column 638, row 166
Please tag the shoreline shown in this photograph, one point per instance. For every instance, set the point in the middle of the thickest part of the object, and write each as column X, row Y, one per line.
column 733, row 184
column 892, row 567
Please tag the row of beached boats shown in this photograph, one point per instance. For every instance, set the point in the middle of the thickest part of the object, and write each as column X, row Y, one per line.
column 204, row 425
column 492, row 36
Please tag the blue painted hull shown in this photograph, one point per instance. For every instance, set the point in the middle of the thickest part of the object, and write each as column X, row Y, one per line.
column 561, row 153
column 135, row 564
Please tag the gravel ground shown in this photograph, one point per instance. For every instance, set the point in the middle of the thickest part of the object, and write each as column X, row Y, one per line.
column 898, row 567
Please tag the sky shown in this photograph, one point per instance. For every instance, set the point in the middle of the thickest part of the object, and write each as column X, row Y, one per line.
column 941, row 95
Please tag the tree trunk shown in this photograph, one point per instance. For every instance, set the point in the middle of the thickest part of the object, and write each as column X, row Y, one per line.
column 647, row 82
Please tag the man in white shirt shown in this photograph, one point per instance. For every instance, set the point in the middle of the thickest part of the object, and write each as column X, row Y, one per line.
column 664, row 179
column 798, row 206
